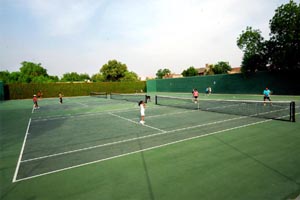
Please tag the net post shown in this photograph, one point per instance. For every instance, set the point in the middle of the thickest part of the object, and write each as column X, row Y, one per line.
column 155, row 99
column 146, row 99
column 293, row 111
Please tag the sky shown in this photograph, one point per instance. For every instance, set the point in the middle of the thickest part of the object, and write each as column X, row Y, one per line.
column 146, row 35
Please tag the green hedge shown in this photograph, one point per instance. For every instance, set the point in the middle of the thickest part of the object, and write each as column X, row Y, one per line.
column 25, row 91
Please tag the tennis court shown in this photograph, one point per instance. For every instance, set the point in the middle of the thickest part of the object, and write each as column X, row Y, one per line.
column 88, row 131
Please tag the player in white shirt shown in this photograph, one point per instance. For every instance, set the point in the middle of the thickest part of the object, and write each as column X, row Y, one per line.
column 142, row 106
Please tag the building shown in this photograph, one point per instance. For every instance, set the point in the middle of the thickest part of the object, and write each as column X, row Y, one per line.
column 172, row 76
column 235, row 70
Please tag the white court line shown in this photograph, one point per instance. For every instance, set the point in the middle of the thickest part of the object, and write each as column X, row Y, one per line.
column 131, row 139
column 21, row 153
column 174, row 113
column 137, row 122
column 55, row 117
column 162, row 132
column 142, row 150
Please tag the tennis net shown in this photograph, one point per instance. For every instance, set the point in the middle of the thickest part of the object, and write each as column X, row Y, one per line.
column 280, row 110
column 130, row 97
column 99, row 94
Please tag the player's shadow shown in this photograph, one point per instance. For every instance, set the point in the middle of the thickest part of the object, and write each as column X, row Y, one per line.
column 149, row 184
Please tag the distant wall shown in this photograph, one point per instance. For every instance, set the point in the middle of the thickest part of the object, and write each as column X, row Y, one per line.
column 284, row 83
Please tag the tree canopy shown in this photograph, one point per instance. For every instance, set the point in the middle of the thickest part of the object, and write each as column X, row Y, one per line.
column 29, row 73
column 221, row 68
column 285, row 37
column 162, row 72
column 191, row 71
column 282, row 50
column 250, row 41
column 113, row 70
column 129, row 76
column 34, row 73
column 74, row 76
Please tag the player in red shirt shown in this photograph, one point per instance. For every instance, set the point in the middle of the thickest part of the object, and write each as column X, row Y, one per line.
column 35, row 102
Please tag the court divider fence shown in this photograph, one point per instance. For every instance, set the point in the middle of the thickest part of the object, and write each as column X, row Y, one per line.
column 280, row 83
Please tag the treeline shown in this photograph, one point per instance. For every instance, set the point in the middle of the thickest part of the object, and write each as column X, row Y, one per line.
column 30, row 72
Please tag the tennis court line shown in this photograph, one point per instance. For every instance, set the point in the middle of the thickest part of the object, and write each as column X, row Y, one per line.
column 142, row 150
column 137, row 122
column 174, row 113
column 55, row 117
column 131, row 139
column 137, row 138
column 21, row 153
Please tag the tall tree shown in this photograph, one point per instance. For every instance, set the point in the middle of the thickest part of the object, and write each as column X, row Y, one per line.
column 285, row 37
column 250, row 41
column 253, row 45
column 84, row 77
column 30, row 70
column 4, row 76
column 191, row 71
column 221, row 68
column 130, row 76
column 282, row 51
column 162, row 72
column 113, row 70
column 73, row 76
column 98, row 78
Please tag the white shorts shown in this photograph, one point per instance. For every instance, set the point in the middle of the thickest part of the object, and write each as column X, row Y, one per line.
column 142, row 113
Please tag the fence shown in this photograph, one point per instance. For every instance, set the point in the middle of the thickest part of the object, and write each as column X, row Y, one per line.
column 284, row 83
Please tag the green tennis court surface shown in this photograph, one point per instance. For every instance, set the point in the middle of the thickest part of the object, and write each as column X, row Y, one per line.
column 98, row 148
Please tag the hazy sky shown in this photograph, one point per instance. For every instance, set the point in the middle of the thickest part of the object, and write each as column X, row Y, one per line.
column 146, row 35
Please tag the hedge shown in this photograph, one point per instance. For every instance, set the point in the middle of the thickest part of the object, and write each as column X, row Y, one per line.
column 25, row 91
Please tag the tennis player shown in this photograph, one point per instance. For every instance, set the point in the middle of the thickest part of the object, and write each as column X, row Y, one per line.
column 195, row 95
column 267, row 93
column 142, row 106
column 60, row 98
column 35, row 102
